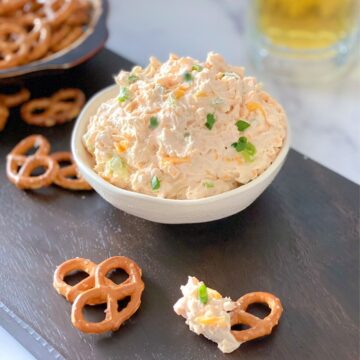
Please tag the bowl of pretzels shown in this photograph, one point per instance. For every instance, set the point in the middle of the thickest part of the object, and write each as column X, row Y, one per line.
column 38, row 35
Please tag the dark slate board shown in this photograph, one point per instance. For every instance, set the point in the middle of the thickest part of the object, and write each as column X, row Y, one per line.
column 299, row 240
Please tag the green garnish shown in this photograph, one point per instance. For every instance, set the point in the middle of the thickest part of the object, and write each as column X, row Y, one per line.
column 240, row 145
column 187, row 76
column 231, row 74
column 124, row 94
column 246, row 148
column 196, row 67
column 132, row 79
column 155, row 183
column 210, row 121
column 242, row 125
column 203, row 295
column 250, row 149
column 154, row 122
column 208, row 184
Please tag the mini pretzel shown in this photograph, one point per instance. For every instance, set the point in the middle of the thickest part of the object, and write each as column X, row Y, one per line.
column 54, row 110
column 4, row 115
column 68, row 176
column 38, row 39
column 13, row 45
column 132, row 287
column 258, row 327
column 16, row 99
column 17, row 158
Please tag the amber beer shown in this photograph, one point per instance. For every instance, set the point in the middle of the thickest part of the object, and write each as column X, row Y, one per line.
column 306, row 24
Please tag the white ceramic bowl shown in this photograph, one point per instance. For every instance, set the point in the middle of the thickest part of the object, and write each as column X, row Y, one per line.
column 160, row 210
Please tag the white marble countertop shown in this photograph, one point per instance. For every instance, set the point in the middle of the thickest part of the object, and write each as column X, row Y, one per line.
column 325, row 119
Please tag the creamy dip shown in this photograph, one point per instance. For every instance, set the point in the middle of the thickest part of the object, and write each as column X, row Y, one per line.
column 211, row 319
column 185, row 130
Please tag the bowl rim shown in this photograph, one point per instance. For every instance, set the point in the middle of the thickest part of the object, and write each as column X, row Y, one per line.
column 76, row 138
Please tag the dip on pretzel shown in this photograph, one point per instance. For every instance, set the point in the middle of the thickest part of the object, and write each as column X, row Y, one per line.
column 208, row 313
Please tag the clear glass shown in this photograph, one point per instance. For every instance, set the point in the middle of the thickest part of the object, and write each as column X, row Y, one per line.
column 304, row 40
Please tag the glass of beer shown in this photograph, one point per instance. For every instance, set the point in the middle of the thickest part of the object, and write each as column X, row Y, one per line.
column 304, row 40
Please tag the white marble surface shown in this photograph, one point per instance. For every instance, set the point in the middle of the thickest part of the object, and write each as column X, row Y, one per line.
column 325, row 119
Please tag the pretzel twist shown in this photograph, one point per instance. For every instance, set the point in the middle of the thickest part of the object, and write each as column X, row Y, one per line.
column 258, row 327
column 61, row 107
column 14, row 45
column 97, row 288
column 17, row 158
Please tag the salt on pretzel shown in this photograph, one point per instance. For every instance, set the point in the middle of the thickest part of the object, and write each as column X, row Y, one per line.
column 257, row 327
column 132, row 287
column 61, row 107
column 17, row 158
column 68, row 177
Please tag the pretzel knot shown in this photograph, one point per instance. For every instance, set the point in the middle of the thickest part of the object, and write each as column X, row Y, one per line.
column 61, row 107
column 258, row 327
column 19, row 166
column 97, row 288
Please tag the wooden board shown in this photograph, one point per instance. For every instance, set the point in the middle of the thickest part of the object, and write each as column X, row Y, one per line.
column 299, row 240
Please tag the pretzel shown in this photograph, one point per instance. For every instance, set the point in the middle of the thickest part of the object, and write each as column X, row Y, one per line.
column 13, row 45
column 16, row 99
column 4, row 115
column 68, row 176
column 98, row 288
column 38, row 38
column 258, row 327
column 54, row 110
column 17, row 158
column 7, row 6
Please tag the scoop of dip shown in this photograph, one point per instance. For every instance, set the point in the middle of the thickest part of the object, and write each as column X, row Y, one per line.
column 207, row 313
column 185, row 130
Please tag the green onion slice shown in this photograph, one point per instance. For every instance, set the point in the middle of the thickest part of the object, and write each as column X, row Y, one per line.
column 210, row 121
column 154, row 122
column 132, row 79
column 203, row 295
column 124, row 94
column 155, row 183
column 196, row 67
column 242, row 125
column 187, row 76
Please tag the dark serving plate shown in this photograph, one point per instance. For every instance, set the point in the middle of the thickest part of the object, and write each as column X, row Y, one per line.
column 91, row 42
